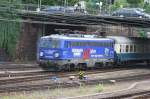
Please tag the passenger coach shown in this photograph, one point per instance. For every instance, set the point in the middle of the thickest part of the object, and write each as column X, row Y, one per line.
column 131, row 50
column 75, row 51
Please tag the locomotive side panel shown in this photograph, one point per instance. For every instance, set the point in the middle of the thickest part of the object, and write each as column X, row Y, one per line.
column 63, row 51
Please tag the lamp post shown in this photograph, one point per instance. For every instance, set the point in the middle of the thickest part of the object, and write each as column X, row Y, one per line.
column 100, row 6
column 39, row 6
column 65, row 5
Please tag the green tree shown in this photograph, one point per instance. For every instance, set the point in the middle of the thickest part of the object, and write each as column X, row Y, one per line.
column 9, row 31
column 119, row 4
column 147, row 7
column 51, row 2
column 135, row 3
column 91, row 7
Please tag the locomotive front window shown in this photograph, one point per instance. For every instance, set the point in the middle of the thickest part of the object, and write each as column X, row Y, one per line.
column 55, row 44
column 49, row 43
column 45, row 43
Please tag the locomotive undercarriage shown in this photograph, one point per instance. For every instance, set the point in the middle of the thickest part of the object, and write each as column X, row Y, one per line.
column 79, row 64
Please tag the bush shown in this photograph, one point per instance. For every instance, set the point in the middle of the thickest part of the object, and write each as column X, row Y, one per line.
column 81, row 75
column 99, row 88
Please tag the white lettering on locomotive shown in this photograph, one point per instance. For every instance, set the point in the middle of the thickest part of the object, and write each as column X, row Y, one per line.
column 77, row 50
column 77, row 54
column 92, row 51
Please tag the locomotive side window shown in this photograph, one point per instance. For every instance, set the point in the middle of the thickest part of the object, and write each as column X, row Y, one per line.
column 67, row 44
column 93, row 44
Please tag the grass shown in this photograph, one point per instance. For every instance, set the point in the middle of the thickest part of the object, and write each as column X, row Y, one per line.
column 65, row 92
column 56, row 93
column 99, row 87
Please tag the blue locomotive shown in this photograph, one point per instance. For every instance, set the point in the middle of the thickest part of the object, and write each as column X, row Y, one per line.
column 82, row 51
column 75, row 51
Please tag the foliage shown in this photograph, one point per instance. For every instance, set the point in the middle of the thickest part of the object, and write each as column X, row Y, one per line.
column 9, row 30
column 81, row 75
column 11, row 1
column 50, row 2
column 136, row 3
column 99, row 88
column 119, row 4
column 91, row 7
column 147, row 7
column 143, row 34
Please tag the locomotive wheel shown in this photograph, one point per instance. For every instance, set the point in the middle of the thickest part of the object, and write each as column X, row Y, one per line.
column 84, row 66
column 79, row 66
column 72, row 67
column 69, row 67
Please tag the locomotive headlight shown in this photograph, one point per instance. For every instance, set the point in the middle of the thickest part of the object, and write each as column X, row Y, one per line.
column 41, row 53
column 56, row 55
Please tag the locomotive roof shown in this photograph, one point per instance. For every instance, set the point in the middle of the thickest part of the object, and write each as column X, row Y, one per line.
column 76, row 38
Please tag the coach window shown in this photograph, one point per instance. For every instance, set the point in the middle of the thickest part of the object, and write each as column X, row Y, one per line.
column 134, row 48
column 131, row 48
column 127, row 48
column 120, row 48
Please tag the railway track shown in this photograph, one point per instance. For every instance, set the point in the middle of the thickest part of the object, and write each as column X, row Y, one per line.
column 23, row 77
column 43, row 75
column 135, row 95
column 44, row 86
column 18, row 66
column 7, row 72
